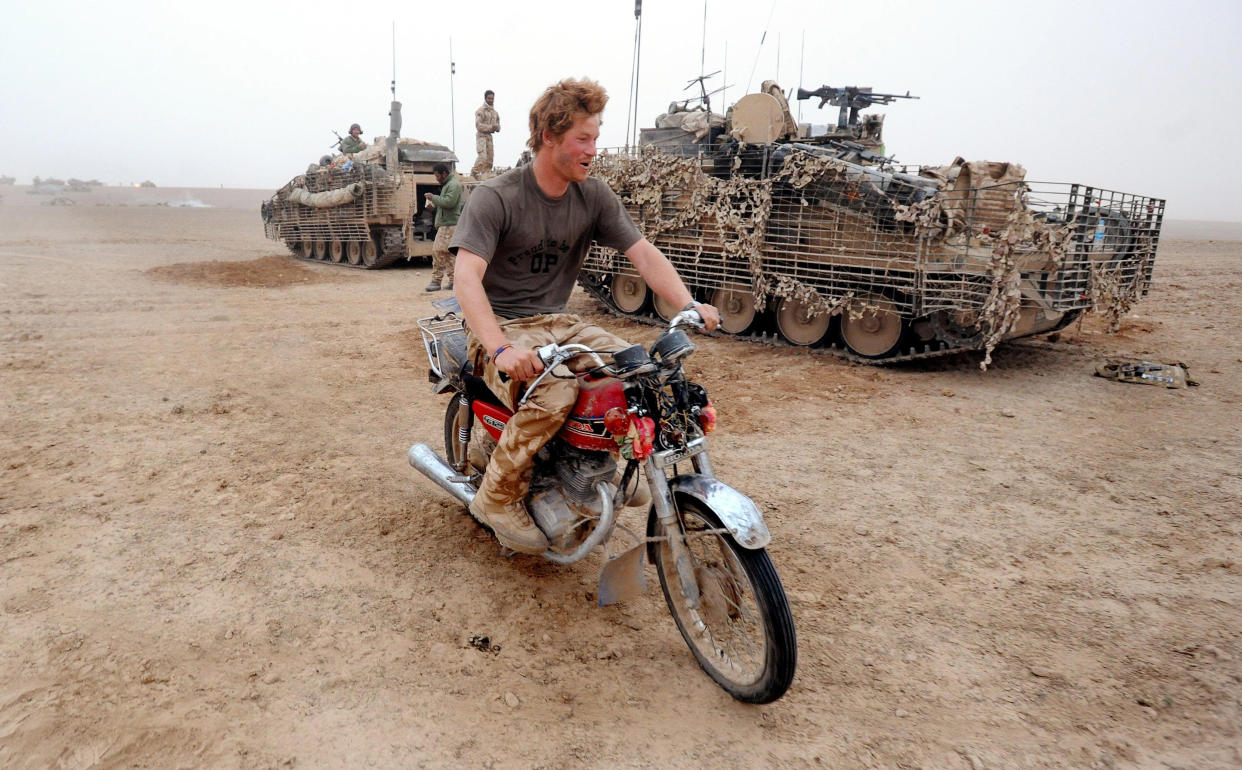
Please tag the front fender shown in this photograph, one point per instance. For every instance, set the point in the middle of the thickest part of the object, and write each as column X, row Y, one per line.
column 737, row 512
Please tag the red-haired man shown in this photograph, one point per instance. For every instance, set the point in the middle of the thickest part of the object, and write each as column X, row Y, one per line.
column 520, row 243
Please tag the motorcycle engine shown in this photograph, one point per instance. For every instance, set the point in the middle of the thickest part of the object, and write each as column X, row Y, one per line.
column 563, row 492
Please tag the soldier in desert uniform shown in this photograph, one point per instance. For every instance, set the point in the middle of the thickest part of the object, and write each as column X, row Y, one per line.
column 486, row 123
column 448, row 205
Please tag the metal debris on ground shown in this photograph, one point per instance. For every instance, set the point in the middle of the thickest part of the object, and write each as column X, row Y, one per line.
column 1147, row 373
column 483, row 644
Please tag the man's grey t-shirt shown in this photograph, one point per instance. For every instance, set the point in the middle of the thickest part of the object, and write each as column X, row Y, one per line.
column 535, row 245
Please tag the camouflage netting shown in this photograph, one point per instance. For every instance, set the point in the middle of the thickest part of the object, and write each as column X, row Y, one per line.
column 977, row 214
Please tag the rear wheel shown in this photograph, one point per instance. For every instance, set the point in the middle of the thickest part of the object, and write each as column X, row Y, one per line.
column 742, row 632
column 455, row 419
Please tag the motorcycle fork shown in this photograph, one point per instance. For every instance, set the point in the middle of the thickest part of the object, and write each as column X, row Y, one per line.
column 666, row 514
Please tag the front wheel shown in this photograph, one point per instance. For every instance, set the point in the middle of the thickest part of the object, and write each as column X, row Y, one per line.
column 742, row 632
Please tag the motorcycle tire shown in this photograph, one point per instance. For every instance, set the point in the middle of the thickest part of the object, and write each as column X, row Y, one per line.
column 451, row 415
column 742, row 633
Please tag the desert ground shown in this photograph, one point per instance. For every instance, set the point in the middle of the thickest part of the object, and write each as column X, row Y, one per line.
column 213, row 552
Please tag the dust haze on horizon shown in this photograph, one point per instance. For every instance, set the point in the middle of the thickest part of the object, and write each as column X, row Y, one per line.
column 1138, row 96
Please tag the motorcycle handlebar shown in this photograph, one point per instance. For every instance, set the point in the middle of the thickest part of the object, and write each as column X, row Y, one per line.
column 690, row 317
column 553, row 355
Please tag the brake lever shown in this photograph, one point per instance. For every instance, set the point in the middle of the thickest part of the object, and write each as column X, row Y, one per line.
column 550, row 356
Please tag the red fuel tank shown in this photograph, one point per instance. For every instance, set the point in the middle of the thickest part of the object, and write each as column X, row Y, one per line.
column 585, row 426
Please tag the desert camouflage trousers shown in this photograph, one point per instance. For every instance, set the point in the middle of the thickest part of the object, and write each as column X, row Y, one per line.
column 483, row 148
column 441, row 257
column 507, row 479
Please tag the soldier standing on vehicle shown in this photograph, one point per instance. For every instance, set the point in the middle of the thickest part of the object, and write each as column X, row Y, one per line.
column 520, row 245
column 486, row 123
column 448, row 205
column 353, row 143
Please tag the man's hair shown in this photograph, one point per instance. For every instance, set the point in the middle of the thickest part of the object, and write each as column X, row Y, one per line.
column 560, row 105
column 440, row 168
column 488, row 92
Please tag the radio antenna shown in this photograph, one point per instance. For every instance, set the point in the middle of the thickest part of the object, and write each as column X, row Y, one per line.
column 801, row 61
column 452, row 98
column 703, row 48
column 751, row 79
column 631, row 118
column 394, row 60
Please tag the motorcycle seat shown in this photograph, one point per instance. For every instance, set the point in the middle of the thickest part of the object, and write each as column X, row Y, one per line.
column 453, row 351
column 477, row 389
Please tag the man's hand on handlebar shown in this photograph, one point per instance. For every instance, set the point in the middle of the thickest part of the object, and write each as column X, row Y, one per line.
column 710, row 316
column 522, row 364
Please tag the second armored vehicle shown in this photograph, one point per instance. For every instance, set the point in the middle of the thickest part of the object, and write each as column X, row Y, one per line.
column 823, row 241
column 362, row 210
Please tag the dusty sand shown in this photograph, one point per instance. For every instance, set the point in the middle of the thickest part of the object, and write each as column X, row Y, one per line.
column 214, row 554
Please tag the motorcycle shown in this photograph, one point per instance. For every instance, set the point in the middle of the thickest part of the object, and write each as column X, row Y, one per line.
column 706, row 539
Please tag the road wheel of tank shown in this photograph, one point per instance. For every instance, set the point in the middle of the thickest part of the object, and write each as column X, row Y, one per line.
column 306, row 250
column 370, row 253
column 872, row 328
column 336, row 250
column 799, row 323
column 321, row 249
column 629, row 293
column 353, row 252
column 737, row 309
column 663, row 307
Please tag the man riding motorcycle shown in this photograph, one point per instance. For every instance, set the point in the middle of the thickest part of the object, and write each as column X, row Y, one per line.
column 519, row 245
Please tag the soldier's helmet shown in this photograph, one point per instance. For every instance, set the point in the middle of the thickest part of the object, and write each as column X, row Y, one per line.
column 355, row 127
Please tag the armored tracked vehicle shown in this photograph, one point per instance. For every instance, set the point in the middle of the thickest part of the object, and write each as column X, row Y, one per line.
column 361, row 210
column 822, row 241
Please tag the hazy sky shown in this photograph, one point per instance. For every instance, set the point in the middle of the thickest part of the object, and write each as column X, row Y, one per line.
column 1140, row 96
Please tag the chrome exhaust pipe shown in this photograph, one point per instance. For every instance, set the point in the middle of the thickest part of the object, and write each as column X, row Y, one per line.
column 435, row 468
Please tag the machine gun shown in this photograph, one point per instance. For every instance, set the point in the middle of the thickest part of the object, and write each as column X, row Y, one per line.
column 850, row 99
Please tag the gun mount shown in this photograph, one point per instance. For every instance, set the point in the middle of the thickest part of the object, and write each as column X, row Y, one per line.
column 851, row 100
